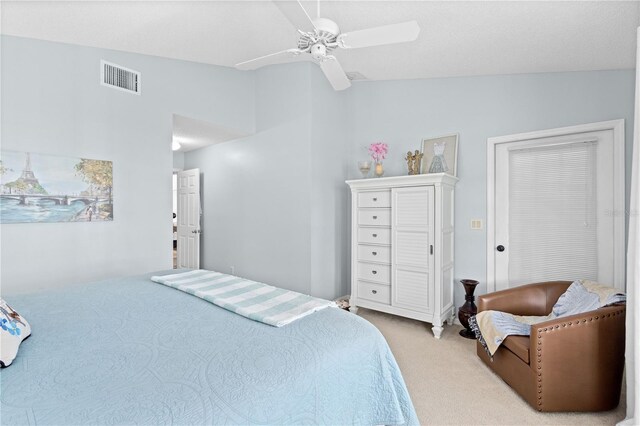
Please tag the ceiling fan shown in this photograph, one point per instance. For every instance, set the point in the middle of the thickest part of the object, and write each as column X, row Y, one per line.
column 324, row 36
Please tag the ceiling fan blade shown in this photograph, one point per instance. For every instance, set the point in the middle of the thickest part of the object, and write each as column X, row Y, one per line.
column 334, row 73
column 290, row 55
column 296, row 14
column 387, row 34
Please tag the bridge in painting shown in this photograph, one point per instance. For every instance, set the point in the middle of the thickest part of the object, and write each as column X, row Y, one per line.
column 61, row 200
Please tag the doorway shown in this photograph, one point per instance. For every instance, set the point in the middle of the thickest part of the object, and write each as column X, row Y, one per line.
column 188, row 214
column 175, row 220
column 555, row 206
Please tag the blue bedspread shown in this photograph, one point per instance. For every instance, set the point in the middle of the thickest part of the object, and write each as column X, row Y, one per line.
column 130, row 351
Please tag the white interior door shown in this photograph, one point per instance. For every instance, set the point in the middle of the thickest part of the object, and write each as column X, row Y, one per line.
column 557, row 209
column 189, row 219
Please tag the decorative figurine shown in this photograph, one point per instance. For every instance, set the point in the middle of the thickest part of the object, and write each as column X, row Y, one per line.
column 417, row 161
column 409, row 159
column 413, row 162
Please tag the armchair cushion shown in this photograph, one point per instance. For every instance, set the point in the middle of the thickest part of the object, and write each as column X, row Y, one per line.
column 519, row 345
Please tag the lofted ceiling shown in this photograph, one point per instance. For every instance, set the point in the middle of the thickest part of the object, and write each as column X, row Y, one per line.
column 457, row 38
column 194, row 134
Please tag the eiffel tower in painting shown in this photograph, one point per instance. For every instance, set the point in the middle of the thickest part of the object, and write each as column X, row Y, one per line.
column 27, row 183
column 27, row 174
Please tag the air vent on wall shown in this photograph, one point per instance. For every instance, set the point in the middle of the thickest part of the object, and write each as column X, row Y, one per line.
column 118, row 77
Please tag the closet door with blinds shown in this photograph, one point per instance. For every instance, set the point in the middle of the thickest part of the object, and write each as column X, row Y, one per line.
column 553, row 217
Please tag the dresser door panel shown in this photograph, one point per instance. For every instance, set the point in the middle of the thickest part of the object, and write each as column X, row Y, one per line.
column 411, row 291
column 412, row 248
column 412, row 258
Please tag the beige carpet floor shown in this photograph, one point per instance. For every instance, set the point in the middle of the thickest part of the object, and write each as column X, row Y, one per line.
column 449, row 385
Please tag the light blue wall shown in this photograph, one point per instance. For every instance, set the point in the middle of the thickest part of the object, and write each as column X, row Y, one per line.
column 275, row 203
column 52, row 103
column 178, row 160
column 330, row 202
column 256, row 190
column 402, row 113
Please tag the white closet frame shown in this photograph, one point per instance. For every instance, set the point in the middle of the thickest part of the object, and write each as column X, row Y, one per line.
column 617, row 126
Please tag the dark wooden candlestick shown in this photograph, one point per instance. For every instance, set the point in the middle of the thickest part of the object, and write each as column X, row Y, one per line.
column 469, row 308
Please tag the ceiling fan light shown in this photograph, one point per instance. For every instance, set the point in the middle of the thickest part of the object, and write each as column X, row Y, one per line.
column 175, row 145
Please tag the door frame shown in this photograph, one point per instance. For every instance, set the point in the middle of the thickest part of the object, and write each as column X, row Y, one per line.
column 618, row 209
column 193, row 262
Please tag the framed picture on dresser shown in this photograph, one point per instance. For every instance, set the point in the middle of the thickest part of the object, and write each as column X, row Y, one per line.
column 440, row 155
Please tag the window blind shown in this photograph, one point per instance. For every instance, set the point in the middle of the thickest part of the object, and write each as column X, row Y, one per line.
column 553, row 213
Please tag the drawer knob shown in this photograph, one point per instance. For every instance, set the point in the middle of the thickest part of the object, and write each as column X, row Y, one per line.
column 375, row 217
column 374, row 272
column 374, row 291
column 375, row 253
column 374, row 235
column 375, row 199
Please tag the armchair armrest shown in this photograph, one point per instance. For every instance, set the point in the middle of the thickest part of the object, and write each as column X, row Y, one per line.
column 530, row 299
column 579, row 355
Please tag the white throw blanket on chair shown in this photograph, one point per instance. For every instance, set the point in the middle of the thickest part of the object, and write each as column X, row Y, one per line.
column 492, row 327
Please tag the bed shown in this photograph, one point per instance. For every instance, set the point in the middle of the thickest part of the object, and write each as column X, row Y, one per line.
column 130, row 351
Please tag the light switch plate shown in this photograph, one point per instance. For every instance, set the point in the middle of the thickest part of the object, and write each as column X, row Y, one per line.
column 476, row 223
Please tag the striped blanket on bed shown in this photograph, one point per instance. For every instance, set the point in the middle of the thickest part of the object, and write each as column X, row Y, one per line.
column 257, row 301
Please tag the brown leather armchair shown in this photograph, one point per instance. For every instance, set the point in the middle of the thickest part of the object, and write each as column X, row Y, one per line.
column 573, row 363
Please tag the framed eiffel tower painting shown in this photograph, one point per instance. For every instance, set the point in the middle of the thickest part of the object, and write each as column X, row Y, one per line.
column 48, row 188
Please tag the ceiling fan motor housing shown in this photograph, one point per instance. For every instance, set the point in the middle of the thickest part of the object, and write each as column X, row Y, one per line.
column 326, row 26
column 318, row 51
column 322, row 40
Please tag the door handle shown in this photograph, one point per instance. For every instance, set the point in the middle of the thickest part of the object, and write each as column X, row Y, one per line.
column 500, row 248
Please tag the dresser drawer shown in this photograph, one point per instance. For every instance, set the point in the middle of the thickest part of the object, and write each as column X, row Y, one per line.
column 374, row 217
column 374, row 292
column 373, row 272
column 374, row 235
column 374, row 253
column 374, row 199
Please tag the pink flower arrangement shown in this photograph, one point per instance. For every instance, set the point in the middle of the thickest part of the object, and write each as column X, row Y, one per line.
column 378, row 151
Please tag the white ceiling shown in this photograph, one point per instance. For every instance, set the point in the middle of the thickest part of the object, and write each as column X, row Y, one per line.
column 457, row 38
column 193, row 134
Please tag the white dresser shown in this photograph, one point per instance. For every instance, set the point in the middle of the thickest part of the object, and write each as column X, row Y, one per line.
column 402, row 246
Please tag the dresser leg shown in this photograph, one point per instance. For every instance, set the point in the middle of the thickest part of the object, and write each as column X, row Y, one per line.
column 353, row 309
column 452, row 318
column 437, row 331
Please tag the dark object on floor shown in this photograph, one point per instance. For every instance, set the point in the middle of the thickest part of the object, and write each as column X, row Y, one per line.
column 572, row 363
column 469, row 308
column 343, row 304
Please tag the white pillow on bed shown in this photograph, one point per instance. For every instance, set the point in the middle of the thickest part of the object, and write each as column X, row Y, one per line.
column 13, row 330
